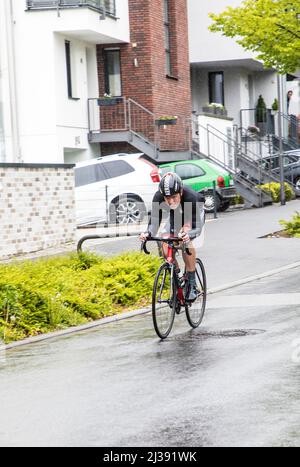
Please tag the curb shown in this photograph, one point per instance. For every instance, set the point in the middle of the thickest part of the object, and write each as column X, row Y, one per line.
column 142, row 311
column 246, row 280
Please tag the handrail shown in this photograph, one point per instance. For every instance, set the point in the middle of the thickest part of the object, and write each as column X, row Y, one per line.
column 103, row 236
column 236, row 171
column 140, row 106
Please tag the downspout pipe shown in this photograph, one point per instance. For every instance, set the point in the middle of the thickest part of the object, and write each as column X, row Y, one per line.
column 13, row 98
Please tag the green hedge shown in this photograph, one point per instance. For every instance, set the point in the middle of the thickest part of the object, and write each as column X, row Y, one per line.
column 53, row 294
column 292, row 227
column 274, row 190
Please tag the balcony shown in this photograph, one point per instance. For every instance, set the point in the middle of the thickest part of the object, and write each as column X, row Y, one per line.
column 105, row 7
column 82, row 19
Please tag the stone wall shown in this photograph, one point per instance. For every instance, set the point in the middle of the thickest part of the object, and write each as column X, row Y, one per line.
column 37, row 207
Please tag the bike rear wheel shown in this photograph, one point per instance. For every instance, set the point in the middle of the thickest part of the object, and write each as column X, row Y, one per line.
column 163, row 302
column 195, row 311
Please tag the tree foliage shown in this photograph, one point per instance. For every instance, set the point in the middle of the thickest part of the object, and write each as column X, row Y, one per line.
column 269, row 28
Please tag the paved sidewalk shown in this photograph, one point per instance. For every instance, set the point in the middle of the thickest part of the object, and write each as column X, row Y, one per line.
column 233, row 249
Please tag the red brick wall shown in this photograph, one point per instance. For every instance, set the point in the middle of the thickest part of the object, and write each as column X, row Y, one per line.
column 147, row 83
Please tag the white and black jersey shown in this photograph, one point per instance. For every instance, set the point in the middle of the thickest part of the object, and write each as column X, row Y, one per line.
column 190, row 211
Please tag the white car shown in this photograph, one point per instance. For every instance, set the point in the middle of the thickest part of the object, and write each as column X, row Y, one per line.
column 117, row 189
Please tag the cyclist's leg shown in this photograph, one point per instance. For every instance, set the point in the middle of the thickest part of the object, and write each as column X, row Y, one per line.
column 190, row 260
column 190, row 266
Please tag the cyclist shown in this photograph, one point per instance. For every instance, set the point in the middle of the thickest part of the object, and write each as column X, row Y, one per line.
column 185, row 219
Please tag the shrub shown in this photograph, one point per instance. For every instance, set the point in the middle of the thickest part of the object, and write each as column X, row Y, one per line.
column 238, row 199
column 292, row 227
column 52, row 294
column 274, row 190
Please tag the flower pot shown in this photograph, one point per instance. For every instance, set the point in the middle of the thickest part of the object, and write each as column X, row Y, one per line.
column 214, row 111
column 169, row 121
column 109, row 101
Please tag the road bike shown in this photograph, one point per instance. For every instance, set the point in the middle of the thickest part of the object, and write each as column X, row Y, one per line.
column 170, row 290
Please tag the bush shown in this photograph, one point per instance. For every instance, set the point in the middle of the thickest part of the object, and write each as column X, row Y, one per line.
column 292, row 227
column 238, row 199
column 274, row 190
column 53, row 294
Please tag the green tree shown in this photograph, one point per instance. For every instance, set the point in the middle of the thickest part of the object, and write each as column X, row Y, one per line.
column 269, row 28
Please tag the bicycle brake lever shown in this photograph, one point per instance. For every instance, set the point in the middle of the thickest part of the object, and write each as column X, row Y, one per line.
column 144, row 248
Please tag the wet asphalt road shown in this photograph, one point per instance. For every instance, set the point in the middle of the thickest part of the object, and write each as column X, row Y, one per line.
column 232, row 382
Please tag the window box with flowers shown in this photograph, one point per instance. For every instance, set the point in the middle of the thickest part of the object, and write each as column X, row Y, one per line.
column 107, row 99
column 166, row 120
column 215, row 109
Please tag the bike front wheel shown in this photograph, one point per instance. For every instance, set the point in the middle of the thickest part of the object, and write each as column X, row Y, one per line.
column 163, row 301
column 195, row 311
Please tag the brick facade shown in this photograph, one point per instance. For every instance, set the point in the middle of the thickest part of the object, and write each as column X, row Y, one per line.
column 144, row 69
column 37, row 208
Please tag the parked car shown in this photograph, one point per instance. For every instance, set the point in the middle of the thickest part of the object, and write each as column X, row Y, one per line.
column 116, row 188
column 200, row 175
column 291, row 167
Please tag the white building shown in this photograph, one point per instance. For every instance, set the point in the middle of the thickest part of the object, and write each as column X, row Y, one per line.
column 222, row 71
column 48, row 71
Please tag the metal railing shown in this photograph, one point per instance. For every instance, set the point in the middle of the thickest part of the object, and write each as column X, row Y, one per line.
column 268, row 124
column 121, row 114
column 252, row 144
column 104, row 6
column 106, row 115
column 228, row 154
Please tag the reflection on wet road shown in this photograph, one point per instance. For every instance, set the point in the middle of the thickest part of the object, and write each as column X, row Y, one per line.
column 232, row 382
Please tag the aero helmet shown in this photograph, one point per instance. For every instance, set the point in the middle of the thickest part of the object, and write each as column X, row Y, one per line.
column 170, row 184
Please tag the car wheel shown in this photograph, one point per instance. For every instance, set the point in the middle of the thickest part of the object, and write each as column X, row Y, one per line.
column 209, row 203
column 127, row 210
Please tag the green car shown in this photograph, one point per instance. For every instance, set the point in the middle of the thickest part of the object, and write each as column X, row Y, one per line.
column 200, row 175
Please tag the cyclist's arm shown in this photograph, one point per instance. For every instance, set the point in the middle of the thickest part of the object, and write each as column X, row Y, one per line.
column 196, row 218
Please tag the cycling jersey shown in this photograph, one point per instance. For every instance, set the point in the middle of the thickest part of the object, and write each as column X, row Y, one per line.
column 190, row 211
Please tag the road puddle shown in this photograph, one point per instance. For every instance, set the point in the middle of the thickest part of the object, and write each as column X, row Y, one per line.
column 226, row 334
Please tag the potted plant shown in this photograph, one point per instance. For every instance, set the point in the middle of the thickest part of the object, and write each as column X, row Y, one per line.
column 261, row 115
column 108, row 99
column 215, row 108
column 275, row 106
column 166, row 120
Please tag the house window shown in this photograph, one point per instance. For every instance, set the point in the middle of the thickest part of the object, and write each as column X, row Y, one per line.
column 70, row 72
column 69, row 68
column 112, row 61
column 167, row 37
column 216, row 87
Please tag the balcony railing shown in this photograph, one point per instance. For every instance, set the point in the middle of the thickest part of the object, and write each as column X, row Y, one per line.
column 106, row 7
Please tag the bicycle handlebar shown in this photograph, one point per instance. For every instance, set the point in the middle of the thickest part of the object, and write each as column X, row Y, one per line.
column 164, row 240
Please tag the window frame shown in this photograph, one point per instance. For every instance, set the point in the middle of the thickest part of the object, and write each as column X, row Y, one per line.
column 167, row 38
column 70, row 81
column 212, row 74
column 107, row 89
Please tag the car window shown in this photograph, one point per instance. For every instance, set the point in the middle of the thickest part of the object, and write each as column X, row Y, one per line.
column 117, row 168
column 90, row 174
column 186, row 171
